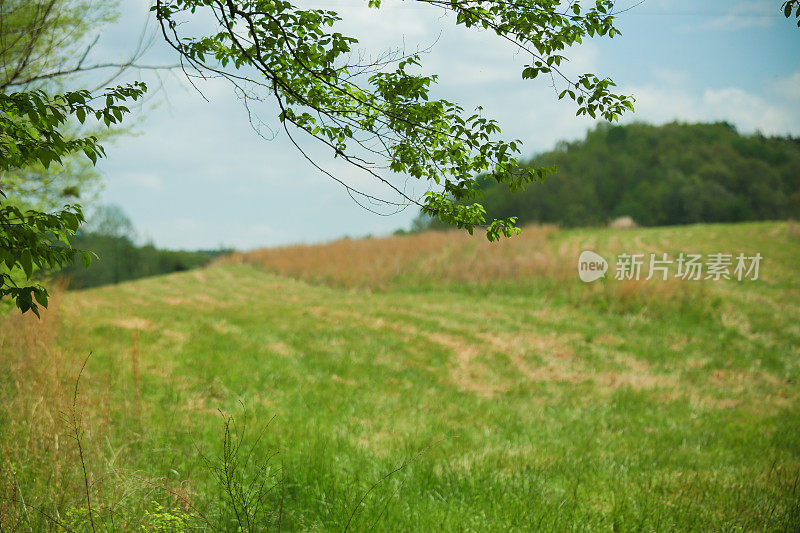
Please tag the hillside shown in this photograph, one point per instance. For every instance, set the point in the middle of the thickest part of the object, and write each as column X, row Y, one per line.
column 523, row 398
column 659, row 175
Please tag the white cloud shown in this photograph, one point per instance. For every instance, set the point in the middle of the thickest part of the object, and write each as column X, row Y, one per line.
column 677, row 100
column 671, row 76
column 143, row 180
column 750, row 14
column 748, row 111
column 788, row 87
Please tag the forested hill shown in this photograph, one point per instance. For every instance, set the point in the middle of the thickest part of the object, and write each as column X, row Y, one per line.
column 660, row 175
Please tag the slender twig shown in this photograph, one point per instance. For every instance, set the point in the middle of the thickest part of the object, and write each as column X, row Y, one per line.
column 385, row 477
column 77, row 432
column 42, row 512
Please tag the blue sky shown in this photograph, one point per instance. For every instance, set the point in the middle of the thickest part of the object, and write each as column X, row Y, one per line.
column 195, row 175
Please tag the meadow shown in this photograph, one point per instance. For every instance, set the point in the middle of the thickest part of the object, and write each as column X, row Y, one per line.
column 414, row 383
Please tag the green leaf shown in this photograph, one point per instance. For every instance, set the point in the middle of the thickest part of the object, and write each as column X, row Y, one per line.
column 41, row 296
column 26, row 262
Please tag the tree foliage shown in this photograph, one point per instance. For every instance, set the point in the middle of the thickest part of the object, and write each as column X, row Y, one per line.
column 660, row 175
column 792, row 6
column 44, row 40
column 50, row 136
column 379, row 116
column 50, row 45
column 31, row 124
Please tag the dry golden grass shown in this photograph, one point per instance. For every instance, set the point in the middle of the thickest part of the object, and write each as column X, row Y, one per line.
column 36, row 396
column 457, row 257
column 48, row 401
column 793, row 227
column 42, row 414
column 431, row 256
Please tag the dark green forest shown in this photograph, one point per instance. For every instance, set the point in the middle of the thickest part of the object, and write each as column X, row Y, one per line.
column 119, row 259
column 658, row 175
column 111, row 237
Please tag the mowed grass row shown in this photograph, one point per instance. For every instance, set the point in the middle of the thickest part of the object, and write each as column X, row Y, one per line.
column 522, row 401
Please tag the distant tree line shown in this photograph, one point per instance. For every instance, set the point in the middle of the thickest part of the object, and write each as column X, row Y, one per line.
column 659, row 175
column 110, row 235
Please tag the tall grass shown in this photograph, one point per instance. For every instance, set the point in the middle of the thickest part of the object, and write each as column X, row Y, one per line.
column 60, row 469
column 55, row 470
column 34, row 442
column 431, row 256
column 541, row 255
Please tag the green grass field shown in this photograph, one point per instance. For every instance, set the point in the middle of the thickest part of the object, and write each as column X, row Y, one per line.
column 526, row 403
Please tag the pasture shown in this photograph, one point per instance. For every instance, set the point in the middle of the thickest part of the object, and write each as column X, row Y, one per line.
column 418, row 383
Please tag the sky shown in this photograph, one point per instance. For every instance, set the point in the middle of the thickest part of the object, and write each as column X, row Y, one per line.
column 194, row 175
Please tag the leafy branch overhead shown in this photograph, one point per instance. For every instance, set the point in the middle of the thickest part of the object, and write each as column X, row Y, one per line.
column 790, row 6
column 31, row 124
column 378, row 115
